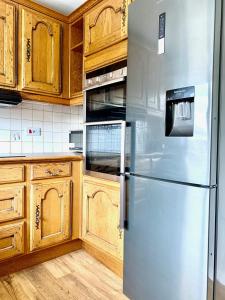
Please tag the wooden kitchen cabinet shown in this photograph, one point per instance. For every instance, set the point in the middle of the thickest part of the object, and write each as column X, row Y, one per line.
column 105, row 25
column 7, row 44
column 41, row 53
column 100, row 216
column 11, row 240
column 11, row 202
column 50, row 213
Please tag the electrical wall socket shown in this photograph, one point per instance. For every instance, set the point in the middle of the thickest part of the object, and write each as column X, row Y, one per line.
column 34, row 131
column 15, row 136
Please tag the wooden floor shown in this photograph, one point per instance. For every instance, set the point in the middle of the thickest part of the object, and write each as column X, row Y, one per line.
column 73, row 276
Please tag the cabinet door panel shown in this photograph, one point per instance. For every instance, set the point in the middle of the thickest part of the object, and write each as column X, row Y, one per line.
column 41, row 60
column 101, row 216
column 105, row 24
column 7, row 44
column 11, row 203
column 11, row 240
column 50, row 213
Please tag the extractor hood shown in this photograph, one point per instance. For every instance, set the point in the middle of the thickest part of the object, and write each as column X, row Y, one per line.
column 9, row 98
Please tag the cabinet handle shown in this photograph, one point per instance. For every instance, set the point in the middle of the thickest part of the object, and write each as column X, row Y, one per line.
column 28, row 52
column 124, row 12
column 56, row 173
column 120, row 232
column 37, row 217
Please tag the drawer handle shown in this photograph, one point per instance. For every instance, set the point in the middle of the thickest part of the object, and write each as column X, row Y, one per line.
column 37, row 217
column 56, row 173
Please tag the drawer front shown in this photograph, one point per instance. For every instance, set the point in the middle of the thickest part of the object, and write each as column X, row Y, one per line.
column 51, row 170
column 11, row 240
column 12, row 173
column 11, row 203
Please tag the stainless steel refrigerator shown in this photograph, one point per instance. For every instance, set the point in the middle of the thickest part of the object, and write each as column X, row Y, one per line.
column 172, row 109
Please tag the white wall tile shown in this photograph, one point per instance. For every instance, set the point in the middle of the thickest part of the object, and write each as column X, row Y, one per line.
column 57, row 117
column 48, row 116
column 5, row 135
column 48, row 107
column 47, row 137
column 57, row 147
column 38, row 115
column 16, row 124
column 57, row 127
column 27, row 114
column 38, row 147
column 5, row 113
column 47, row 126
column 26, row 124
column 25, row 137
column 48, row 147
column 16, row 113
column 16, row 147
column 38, row 106
column 5, row 123
column 27, row 147
column 55, row 122
column 27, row 104
column 57, row 108
column 4, row 147
column 57, row 137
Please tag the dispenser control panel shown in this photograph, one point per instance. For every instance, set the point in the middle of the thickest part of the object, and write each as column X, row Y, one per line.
column 182, row 93
column 180, row 112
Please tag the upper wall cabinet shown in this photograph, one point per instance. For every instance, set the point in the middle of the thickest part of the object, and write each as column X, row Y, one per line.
column 105, row 25
column 41, row 58
column 7, row 44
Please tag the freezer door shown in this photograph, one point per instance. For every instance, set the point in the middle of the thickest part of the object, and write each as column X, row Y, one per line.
column 172, row 139
column 167, row 244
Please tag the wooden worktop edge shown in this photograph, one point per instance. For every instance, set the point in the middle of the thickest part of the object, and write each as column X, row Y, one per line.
column 37, row 159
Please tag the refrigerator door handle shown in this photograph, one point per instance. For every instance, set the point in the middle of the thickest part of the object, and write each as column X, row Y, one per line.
column 123, row 202
column 123, row 177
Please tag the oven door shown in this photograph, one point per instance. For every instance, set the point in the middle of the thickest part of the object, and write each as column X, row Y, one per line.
column 104, row 144
column 106, row 102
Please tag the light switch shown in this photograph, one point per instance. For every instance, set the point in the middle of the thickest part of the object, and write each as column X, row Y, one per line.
column 34, row 131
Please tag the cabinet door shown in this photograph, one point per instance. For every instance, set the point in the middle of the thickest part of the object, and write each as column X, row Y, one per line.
column 7, row 44
column 100, row 222
column 41, row 60
column 105, row 25
column 11, row 240
column 50, row 213
column 11, row 203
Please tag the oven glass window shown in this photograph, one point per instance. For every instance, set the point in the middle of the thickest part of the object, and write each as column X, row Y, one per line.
column 103, row 152
column 106, row 103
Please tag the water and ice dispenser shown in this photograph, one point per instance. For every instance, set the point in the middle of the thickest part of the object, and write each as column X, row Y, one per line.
column 180, row 112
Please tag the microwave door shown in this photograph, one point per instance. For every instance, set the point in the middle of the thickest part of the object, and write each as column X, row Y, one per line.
column 106, row 103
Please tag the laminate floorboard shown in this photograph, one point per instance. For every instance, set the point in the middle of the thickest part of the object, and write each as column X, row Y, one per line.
column 74, row 276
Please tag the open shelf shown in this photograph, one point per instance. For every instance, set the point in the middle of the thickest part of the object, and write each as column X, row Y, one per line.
column 76, row 58
column 78, row 46
column 76, row 32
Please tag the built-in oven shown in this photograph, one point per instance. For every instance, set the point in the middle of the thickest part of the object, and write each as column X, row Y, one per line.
column 104, row 148
column 105, row 94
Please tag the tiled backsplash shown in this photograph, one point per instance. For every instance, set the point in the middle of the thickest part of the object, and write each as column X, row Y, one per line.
column 104, row 138
column 55, row 122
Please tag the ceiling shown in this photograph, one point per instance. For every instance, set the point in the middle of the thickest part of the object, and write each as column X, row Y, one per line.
column 65, row 7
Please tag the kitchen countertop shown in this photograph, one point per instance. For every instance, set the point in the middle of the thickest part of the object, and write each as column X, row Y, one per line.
column 38, row 157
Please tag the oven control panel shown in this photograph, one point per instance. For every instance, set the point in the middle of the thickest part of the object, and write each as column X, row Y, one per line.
column 106, row 78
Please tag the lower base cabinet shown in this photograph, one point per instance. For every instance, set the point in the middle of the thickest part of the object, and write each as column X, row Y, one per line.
column 50, row 211
column 100, row 217
column 11, row 240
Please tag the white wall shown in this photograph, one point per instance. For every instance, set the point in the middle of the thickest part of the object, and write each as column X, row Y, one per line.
column 55, row 122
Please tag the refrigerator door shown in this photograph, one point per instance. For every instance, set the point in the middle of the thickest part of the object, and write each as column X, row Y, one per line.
column 168, row 252
column 172, row 98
